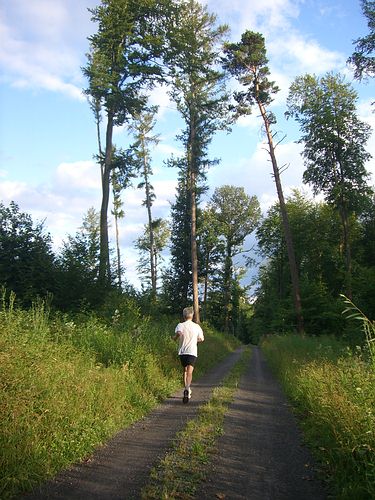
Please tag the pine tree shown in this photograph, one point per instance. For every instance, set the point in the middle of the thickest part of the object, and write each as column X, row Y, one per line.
column 197, row 89
column 142, row 125
column 247, row 61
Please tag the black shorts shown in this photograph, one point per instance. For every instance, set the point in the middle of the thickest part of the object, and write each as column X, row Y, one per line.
column 187, row 359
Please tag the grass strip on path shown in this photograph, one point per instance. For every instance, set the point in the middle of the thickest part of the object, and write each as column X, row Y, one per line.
column 179, row 473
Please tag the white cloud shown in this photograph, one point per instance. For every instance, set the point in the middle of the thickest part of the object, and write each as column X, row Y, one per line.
column 303, row 55
column 159, row 97
column 255, row 172
column 78, row 175
column 168, row 150
column 40, row 44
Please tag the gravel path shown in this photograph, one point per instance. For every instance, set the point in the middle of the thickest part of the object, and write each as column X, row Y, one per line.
column 119, row 470
column 260, row 455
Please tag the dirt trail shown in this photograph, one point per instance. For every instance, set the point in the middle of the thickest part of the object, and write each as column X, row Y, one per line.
column 119, row 470
column 261, row 456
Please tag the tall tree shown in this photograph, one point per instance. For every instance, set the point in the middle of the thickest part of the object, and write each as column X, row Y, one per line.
column 121, row 63
column 142, row 127
column 237, row 215
column 177, row 278
column 363, row 58
column 211, row 251
column 118, row 213
column 247, row 61
column 197, row 89
column 334, row 146
column 160, row 236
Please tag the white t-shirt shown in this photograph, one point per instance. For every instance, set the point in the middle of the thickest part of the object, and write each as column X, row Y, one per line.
column 189, row 332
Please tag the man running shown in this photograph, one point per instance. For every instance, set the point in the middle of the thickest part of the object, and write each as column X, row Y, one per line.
column 189, row 334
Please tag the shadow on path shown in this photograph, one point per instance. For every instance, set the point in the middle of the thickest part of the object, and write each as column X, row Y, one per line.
column 261, row 456
column 119, row 470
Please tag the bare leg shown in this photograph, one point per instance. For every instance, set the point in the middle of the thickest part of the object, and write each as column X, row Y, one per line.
column 188, row 375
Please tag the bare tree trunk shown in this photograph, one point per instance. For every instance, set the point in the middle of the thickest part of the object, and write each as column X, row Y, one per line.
column 205, row 291
column 118, row 254
column 150, row 227
column 193, row 212
column 104, row 262
column 285, row 221
column 347, row 250
column 194, row 250
column 227, row 286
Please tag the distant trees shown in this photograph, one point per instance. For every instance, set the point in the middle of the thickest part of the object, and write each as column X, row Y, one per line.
column 334, row 151
column 142, row 126
column 150, row 253
column 79, row 265
column 235, row 216
column 322, row 268
column 27, row 262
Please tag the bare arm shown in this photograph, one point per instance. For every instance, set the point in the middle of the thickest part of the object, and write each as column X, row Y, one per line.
column 176, row 336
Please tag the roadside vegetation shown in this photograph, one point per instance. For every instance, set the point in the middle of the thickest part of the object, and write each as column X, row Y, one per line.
column 333, row 390
column 68, row 384
column 182, row 469
column 85, row 361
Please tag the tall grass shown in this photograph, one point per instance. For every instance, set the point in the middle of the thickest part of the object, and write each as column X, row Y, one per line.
column 334, row 392
column 68, row 384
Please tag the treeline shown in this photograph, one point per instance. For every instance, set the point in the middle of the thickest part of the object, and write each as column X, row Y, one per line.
column 322, row 267
column 314, row 251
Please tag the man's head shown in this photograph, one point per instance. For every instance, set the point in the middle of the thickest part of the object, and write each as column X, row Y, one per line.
column 188, row 313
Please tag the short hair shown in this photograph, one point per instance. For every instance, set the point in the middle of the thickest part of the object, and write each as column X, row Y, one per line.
column 188, row 312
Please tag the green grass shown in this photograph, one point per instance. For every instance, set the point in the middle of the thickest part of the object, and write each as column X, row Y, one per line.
column 333, row 390
column 182, row 469
column 68, row 385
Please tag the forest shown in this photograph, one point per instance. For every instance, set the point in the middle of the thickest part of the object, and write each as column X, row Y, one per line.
column 298, row 286
column 318, row 254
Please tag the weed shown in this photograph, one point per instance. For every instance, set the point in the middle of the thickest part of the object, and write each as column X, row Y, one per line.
column 333, row 390
column 69, row 383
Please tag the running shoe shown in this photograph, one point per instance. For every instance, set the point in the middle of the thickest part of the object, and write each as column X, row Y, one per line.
column 185, row 399
column 189, row 393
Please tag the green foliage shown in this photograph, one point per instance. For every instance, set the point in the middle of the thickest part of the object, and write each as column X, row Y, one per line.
column 197, row 84
column 27, row 263
column 247, row 61
column 69, row 383
column 334, row 138
column 363, row 58
column 321, row 266
column 78, row 266
column 234, row 215
column 333, row 390
column 177, row 279
column 367, row 325
column 160, row 237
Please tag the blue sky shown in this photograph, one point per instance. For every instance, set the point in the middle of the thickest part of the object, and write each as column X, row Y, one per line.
column 47, row 132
